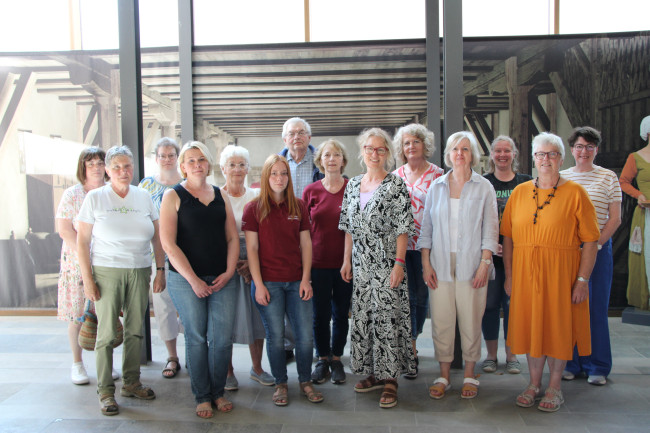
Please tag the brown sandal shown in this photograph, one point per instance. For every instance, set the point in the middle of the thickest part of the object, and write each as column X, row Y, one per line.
column 281, row 395
column 388, row 397
column 204, row 410
column 368, row 384
column 312, row 395
column 223, row 405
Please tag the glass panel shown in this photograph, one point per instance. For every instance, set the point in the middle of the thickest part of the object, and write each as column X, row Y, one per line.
column 52, row 106
column 50, row 17
column 99, row 25
column 597, row 16
column 507, row 17
column 248, row 22
column 158, row 23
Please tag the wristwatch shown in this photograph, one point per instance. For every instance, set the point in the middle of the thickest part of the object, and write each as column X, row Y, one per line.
column 584, row 280
column 487, row 261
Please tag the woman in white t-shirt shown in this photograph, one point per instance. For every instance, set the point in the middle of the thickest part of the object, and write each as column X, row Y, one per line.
column 121, row 221
column 248, row 327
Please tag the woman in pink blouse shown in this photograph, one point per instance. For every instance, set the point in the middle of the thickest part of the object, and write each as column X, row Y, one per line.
column 413, row 145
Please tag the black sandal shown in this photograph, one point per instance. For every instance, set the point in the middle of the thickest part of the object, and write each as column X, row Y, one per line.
column 172, row 370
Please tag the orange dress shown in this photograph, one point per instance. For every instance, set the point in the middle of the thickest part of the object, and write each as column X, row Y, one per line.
column 545, row 262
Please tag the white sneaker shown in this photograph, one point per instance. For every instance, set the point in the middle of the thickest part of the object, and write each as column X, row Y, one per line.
column 597, row 380
column 78, row 374
column 115, row 374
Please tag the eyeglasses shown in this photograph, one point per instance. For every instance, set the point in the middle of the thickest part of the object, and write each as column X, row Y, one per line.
column 588, row 148
column 381, row 151
column 168, row 156
column 542, row 155
column 241, row 166
column 301, row 133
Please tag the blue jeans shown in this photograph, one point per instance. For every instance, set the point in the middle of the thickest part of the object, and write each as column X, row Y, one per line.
column 418, row 292
column 208, row 324
column 331, row 301
column 496, row 300
column 285, row 299
column 599, row 363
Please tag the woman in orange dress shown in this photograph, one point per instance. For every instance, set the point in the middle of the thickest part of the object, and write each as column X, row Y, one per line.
column 547, row 273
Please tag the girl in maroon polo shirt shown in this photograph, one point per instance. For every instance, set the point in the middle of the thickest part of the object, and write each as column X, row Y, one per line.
column 277, row 226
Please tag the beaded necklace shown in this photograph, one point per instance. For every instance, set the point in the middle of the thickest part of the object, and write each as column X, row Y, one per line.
column 548, row 198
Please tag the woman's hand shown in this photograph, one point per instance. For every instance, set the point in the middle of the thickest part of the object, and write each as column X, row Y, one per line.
column 507, row 285
column 91, row 291
column 201, row 288
column 429, row 276
column 346, row 271
column 481, row 276
column 641, row 201
column 221, row 281
column 306, row 291
column 262, row 295
column 159, row 281
column 396, row 276
column 580, row 292
column 244, row 271
column 499, row 250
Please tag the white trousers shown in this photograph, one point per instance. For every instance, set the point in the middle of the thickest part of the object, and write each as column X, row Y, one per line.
column 457, row 300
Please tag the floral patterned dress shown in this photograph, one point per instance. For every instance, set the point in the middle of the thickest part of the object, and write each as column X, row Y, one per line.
column 71, row 290
column 381, row 324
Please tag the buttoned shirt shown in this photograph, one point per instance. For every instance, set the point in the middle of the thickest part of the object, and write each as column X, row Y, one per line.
column 478, row 227
column 301, row 172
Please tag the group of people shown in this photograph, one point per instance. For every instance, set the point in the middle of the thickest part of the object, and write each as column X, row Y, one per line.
column 291, row 259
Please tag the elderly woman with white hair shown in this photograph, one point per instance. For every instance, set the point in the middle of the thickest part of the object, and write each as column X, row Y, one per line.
column 166, row 151
column 248, row 328
column 550, row 234
column 376, row 216
column 637, row 167
column 413, row 144
column 459, row 235
column 199, row 235
column 121, row 221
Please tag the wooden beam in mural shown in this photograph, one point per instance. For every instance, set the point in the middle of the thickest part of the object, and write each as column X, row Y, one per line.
column 519, row 114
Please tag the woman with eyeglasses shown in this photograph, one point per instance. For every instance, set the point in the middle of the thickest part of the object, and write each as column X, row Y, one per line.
column 248, row 328
column 376, row 216
column 550, row 240
column 637, row 167
column 460, row 232
column 605, row 193
column 166, row 151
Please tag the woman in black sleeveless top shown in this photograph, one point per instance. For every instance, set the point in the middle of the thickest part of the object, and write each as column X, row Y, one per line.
column 200, row 238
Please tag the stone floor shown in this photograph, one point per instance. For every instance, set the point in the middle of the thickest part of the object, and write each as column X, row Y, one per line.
column 36, row 395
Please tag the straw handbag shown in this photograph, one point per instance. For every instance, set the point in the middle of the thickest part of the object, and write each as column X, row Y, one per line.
column 88, row 332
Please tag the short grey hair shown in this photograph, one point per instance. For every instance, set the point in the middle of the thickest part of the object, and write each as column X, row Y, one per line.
column 514, row 165
column 232, row 150
column 195, row 145
column 454, row 139
column 548, row 138
column 288, row 123
column 363, row 138
column 117, row 151
column 319, row 154
column 416, row 130
column 166, row 142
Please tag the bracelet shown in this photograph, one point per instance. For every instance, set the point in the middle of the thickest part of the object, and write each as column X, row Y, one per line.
column 162, row 268
column 600, row 247
column 584, row 280
column 400, row 262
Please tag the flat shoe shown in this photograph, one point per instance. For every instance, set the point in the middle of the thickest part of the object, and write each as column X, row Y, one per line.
column 529, row 400
column 513, row 367
column 263, row 378
column 312, row 395
column 170, row 372
column 368, row 384
column 231, row 383
column 567, row 375
column 439, row 388
column 489, row 365
column 552, row 396
column 597, row 380
column 469, row 385
column 207, row 408
column 281, row 395
column 223, row 405
column 388, row 397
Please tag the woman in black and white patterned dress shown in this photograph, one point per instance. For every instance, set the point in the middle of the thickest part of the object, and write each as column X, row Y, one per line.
column 376, row 216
